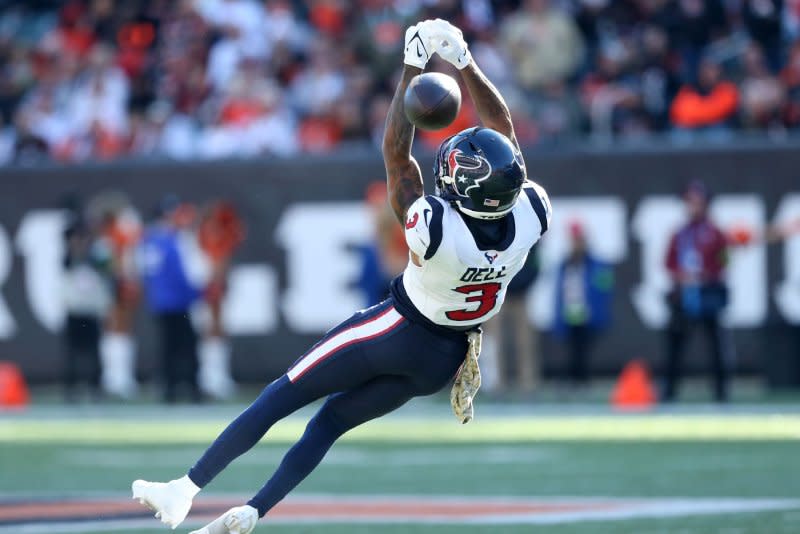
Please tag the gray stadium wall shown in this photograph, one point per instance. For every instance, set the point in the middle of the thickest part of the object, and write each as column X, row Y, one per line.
column 630, row 191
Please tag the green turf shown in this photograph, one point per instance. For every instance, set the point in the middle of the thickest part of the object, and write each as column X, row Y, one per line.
column 721, row 469
column 621, row 456
column 620, row 427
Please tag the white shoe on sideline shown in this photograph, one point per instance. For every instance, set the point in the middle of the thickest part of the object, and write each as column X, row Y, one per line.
column 171, row 501
column 239, row 520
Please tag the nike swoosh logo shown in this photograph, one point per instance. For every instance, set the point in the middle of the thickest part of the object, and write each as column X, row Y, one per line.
column 426, row 213
column 419, row 43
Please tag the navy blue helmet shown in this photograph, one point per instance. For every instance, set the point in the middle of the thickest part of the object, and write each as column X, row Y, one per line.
column 480, row 171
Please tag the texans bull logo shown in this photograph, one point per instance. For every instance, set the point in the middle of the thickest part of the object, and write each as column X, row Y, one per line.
column 467, row 171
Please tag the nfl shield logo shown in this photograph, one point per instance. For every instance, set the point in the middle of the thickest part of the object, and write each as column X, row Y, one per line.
column 492, row 203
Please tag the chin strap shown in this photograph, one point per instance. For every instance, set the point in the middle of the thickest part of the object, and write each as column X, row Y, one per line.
column 468, row 380
column 482, row 214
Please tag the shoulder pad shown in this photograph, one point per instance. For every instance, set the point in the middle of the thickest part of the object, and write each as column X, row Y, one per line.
column 423, row 226
column 540, row 202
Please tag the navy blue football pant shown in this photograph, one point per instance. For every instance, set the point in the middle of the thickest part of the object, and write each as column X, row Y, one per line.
column 367, row 366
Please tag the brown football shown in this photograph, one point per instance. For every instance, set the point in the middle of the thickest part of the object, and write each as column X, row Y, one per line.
column 432, row 100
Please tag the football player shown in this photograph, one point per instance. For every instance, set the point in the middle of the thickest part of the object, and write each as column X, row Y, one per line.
column 466, row 243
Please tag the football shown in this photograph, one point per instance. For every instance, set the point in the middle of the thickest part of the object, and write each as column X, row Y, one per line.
column 432, row 100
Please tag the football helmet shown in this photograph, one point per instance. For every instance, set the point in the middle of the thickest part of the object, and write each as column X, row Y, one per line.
column 480, row 172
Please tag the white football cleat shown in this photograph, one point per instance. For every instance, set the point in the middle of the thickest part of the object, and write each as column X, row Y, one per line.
column 239, row 520
column 171, row 501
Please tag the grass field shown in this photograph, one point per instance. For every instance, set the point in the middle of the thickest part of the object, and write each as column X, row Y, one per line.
column 697, row 458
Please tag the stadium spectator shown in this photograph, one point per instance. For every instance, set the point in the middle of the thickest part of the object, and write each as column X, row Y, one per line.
column 241, row 27
column 317, row 86
column 610, row 96
column 594, row 18
column 87, row 298
column 8, row 140
column 696, row 260
column 790, row 78
column 790, row 19
column 100, row 95
column 487, row 51
column 543, row 43
column 119, row 230
column 385, row 255
column 251, row 121
column 556, row 114
column 708, row 107
column 172, row 284
column 515, row 338
column 762, row 95
column 376, row 118
column 377, row 33
column 147, row 128
column 657, row 77
column 315, row 91
column 43, row 125
column 764, row 24
column 694, row 24
column 584, row 288
column 219, row 234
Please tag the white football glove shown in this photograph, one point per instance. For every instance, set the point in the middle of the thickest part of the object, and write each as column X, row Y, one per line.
column 448, row 41
column 418, row 47
column 239, row 520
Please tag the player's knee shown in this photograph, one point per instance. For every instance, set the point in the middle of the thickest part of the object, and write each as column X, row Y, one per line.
column 329, row 421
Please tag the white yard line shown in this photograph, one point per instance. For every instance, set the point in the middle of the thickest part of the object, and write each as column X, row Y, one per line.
column 426, row 408
column 343, row 455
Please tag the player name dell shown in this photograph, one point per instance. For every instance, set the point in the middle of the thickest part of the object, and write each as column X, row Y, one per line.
column 483, row 274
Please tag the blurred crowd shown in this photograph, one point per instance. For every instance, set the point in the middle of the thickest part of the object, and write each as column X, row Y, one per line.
column 97, row 79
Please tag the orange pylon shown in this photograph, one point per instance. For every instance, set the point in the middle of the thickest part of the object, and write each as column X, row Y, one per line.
column 634, row 388
column 13, row 389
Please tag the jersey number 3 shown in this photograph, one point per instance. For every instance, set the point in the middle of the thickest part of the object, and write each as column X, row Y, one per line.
column 485, row 294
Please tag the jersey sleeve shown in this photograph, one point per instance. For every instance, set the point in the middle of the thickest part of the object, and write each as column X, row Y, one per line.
column 540, row 202
column 423, row 227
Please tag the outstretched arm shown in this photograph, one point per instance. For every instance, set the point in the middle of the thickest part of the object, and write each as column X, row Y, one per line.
column 492, row 109
column 489, row 103
column 403, row 176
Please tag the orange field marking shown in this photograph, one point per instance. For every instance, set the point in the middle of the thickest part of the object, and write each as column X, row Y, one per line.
column 359, row 508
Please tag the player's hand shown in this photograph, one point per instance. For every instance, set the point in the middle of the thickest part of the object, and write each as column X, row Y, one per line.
column 448, row 41
column 418, row 45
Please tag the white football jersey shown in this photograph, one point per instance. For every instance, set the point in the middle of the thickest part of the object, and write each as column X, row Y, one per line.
column 458, row 284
